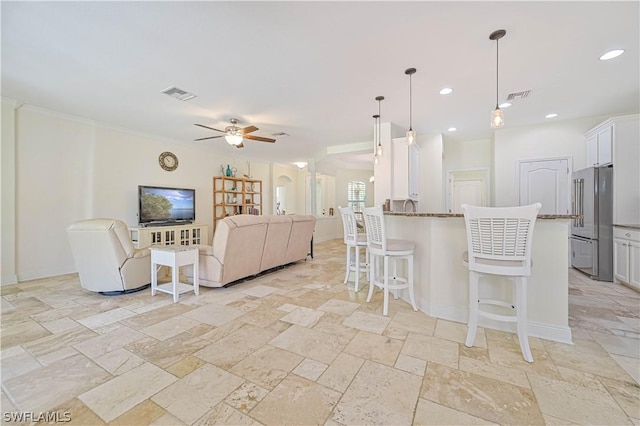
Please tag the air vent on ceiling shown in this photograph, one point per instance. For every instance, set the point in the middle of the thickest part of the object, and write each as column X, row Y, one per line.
column 280, row 134
column 518, row 95
column 179, row 94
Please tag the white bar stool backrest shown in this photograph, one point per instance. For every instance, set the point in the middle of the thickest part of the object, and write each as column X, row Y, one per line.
column 374, row 223
column 499, row 239
column 349, row 224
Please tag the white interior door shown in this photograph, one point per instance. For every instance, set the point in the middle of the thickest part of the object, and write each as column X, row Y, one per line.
column 546, row 182
column 467, row 187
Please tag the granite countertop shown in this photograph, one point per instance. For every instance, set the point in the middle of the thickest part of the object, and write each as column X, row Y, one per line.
column 636, row 226
column 418, row 214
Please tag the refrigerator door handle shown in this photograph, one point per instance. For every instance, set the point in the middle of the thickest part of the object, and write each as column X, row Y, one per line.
column 581, row 201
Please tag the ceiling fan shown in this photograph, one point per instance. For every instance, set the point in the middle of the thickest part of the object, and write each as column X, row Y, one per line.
column 234, row 135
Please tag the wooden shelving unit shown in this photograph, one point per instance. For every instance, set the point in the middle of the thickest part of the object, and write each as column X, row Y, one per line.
column 233, row 195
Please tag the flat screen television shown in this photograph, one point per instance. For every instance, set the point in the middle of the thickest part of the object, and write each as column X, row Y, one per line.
column 166, row 205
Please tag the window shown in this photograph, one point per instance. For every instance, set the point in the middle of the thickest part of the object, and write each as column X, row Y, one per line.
column 356, row 195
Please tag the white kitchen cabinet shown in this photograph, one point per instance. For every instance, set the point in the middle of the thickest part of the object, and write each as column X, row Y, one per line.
column 406, row 170
column 626, row 256
column 599, row 142
column 615, row 142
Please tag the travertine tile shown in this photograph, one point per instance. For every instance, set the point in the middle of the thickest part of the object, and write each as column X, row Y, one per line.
column 432, row 349
column 233, row 348
column 626, row 394
column 214, row 314
column 117, row 396
column 18, row 364
column 430, row 413
column 303, row 317
column 374, row 347
column 296, row 401
column 480, row 396
column 246, row 397
column 267, row 366
column 379, row 395
column 69, row 377
column 341, row 372
column 339, row 307
column 170, row 351
column 411, row 365
column 310, row 369
column 117, row 338
column 589, row 406
column 259, row 290
column 185, row 366
column 171, row 327
column 310, row 343
column 118, row 361
column 367, row 322
column 105, row 318
column 60, row 325
column 494, row 371
column 619, row 345
column 457, row 332
column 144, row 413
column 80, row 414
column 223, row 414
column 195, row 394
column 24, row 332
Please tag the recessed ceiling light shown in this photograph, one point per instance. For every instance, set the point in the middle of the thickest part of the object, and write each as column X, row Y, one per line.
column 446, row 91
column 452, row 129
column 611, row 54
column 505, row 105
column 552, row 115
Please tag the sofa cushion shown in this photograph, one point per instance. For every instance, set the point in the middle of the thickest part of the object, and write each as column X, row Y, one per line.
column 276, row 241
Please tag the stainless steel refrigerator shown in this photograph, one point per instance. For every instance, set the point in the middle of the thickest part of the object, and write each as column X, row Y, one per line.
column 592, row 234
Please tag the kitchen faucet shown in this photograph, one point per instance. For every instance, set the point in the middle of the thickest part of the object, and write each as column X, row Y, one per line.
column 404, row 205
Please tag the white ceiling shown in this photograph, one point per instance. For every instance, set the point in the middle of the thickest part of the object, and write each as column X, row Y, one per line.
column 313, row 69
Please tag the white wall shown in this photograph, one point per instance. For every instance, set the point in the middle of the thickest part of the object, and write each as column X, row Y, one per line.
column 560, row 139
column 430, row 191
column 8, row 194
column 466, row 155
column 69, row 169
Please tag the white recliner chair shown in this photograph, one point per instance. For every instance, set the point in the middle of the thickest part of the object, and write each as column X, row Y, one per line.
column 105, row 257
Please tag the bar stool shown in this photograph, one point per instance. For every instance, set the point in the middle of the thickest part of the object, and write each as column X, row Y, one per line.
column 381, row 248
column 354, row 241
column 499, row 241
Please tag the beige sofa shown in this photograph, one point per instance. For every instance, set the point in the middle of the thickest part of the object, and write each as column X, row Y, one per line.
column 105, row 257
column 246, row 245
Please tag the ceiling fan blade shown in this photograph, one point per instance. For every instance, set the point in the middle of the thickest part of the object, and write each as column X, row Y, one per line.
column 249, row 129
column 259, row 138
column 241, row 145
column 210, row 128
column 210, row 137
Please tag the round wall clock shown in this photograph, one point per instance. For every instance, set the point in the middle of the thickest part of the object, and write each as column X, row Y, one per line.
column 168, row 161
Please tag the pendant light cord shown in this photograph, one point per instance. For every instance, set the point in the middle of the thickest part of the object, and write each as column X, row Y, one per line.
column 497, row 69
column 410, row 104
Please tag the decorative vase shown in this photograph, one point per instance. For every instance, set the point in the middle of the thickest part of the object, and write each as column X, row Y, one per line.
column 228, row 172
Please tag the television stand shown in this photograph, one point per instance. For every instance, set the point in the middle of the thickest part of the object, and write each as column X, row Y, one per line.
column 185, row 234
column 172, row 223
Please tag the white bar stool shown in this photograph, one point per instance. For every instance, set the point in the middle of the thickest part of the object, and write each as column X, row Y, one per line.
column 355, row 241
column 387, row 249
column 499, row 241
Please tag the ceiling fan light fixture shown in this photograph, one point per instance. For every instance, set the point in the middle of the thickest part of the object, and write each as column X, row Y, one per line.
column 233, row 139
column 411, row 135
column 497, row 119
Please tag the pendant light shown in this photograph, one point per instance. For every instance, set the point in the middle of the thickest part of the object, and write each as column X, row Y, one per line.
column 376, row 137
column 497, row 119
column 411, row 135
column 379, row 146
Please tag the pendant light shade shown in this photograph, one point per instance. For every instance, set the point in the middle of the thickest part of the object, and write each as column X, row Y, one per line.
column 497, row 119
column 411, row 135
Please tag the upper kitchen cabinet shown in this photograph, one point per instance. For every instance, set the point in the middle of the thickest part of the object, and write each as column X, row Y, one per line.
column 600, row 145
column 406, row 170
column 618, row 143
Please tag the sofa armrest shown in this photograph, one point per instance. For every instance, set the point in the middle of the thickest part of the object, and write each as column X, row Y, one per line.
column 143, row 252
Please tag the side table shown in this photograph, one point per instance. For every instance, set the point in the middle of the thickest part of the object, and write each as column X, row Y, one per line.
column 174, row 257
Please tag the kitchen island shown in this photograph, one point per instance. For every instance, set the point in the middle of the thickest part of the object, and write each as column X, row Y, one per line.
column 441, row 279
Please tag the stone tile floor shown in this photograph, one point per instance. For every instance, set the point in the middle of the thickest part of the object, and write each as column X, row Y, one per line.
column 299, row 347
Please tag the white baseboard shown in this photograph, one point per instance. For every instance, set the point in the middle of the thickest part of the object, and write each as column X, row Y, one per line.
column 9, row 279
column 545, row 331
column 327, row 238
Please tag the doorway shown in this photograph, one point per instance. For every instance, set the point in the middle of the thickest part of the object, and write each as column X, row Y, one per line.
column 467, row 187
column 545, row 181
